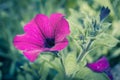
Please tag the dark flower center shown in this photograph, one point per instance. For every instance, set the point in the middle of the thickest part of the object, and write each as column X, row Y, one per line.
column 49, row 42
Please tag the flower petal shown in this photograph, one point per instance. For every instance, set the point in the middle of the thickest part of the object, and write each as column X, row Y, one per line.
column 43, row 24
column 32, row 29
column 104, row 13
column 40, row 29
column 32, row 55
column 60, row 26
column 100, row 65
column 60, row 45
column 27, row 42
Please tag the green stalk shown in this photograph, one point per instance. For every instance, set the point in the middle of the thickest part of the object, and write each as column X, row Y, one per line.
column 82, row 55
column 62, row 63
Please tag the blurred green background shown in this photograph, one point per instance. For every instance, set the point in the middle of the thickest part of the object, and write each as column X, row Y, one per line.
column 15, row 13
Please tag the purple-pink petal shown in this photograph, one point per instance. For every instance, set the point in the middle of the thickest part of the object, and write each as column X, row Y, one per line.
column 43, row 23
column 60, row 26
column 26, row 42
column 32, row 55
column 43, row 34
column 33, row 30
column 100, row 65
column 30, row 46
column 60, row 45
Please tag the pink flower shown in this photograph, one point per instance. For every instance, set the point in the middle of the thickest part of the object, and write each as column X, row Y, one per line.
column 102, row 65
column 43, row 34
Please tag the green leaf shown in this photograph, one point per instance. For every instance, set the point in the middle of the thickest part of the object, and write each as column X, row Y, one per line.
column 28, row 76
column 59, row 76
column 20, row 77
column 50, row 68
column 51, row 63
column 70, row 63
column 1, row 64
column 46, row 56
column 75, row 22
column 51, row 74
column 105, row 26
column 116, row 28
column 0, row 75
column 116, row 53
column 107, row 40
column 44, row 71
column 82, row 63
column 85, row 73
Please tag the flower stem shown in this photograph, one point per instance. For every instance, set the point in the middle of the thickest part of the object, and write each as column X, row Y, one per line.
column 82, row 55
column 62, row 63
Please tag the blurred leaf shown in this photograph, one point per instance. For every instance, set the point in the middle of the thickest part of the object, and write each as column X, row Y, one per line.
column 116, row 28
column 116, row 53
column 44, row 70
column 51, row 74
column 86, row 74
column 107, row 40
column 59, row 76
column 49, row 56
column 105, row 26
column 116, row 10
column 28, row 76
column 76, row 22
column 12, row 68
column 51, row 61
column 20, row 77
column 1, row 64
column 14, row 14
column 82, row 63
column 4, row 45
column 70, row 63
column 26, row 67
column 0, row 75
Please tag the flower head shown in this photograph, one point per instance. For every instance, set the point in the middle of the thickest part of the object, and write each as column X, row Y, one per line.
column 102, row 65
column 43, row 34
column 104, row 13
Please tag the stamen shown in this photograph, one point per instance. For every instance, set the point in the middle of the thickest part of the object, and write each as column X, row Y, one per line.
column 49, row 42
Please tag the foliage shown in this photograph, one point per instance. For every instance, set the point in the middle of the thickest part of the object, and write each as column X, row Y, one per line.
column 15, row 14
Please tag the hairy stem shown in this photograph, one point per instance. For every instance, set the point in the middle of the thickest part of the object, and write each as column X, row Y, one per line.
column 82, row 55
